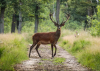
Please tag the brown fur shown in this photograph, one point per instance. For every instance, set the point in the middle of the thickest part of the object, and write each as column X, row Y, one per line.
column 46, row 38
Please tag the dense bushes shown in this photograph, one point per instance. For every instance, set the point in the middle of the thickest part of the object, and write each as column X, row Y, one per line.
column 95, row 23
column 77, row 46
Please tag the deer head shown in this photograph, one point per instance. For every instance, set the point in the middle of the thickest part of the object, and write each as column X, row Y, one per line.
column 62, row 24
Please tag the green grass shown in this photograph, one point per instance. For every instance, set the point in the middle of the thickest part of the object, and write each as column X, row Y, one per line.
column 90, row 60
column 45, row 59
column 13, row 50
column 79, row 45
column 58, row 60
column 85, row 48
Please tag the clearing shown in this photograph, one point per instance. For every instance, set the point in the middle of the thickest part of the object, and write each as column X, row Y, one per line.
column 47, row 64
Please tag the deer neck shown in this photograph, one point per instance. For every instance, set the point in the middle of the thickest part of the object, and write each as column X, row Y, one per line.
column 58, row 32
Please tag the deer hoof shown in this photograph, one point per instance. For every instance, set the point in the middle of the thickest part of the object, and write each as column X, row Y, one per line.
column 52, row 57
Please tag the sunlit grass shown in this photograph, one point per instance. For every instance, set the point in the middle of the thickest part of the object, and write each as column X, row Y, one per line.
column 58, row 60
column 85, row 48
column 13, row 50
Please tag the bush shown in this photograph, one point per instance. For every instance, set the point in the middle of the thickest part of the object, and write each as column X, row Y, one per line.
column 90, row 60
column 79, row 45
column 28, row 27
column 95, row 27
column 1, row 51
column 86, row 49
column 12, row 51
column 73, row 25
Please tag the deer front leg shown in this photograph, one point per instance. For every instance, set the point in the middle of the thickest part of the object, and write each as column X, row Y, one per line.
column 37, row 50
column 52, row 50
column 55, row 50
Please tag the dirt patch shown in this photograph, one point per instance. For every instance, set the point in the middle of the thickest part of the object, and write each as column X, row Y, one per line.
column 46, row 63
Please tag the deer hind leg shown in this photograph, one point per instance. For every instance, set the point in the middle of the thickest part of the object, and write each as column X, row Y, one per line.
column 31, row 48
column 52, row 50
column 37, row 50
column 55, row 50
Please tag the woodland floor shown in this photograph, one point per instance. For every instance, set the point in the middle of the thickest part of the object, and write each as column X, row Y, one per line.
column 46, row 64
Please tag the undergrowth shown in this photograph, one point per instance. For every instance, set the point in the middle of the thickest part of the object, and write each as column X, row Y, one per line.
column 13, row 50
column 85, row 48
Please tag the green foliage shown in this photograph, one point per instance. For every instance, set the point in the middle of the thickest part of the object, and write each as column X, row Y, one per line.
column 7, row 25
column 58, row 60
column 90, row 60
column 95, row 28
column 47, row 26
column 87, row 54
column 79, row 45
column 65, row 44
column 12, row 52
column 1, row 51
column 28, row 27
column 73, row 25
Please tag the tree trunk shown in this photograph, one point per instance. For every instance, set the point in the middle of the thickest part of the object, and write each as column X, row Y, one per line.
column 36, row 23
column 2, row 20
column 57, row 10
column 36, row 20
column 17, row 23
column 20, row 22
column 85, row 26
column 53, row 11
column 20, row 19
column 13, row 24
column 89, row 11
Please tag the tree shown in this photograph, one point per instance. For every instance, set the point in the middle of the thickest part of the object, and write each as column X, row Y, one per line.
column 17, row 16
column 14, row 4
column 57, row 10
column 3, row 6
column 37, row 7
column 20, row 19
column 36, row 18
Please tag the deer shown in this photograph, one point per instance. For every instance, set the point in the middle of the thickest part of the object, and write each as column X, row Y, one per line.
column 48, row 38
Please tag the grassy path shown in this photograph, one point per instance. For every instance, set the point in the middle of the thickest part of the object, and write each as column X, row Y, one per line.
column 63, row 61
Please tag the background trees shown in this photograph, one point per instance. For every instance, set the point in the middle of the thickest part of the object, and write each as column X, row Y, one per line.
column 16, row 14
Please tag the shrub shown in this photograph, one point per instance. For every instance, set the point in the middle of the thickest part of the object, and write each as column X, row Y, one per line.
column 12, row 51
column 79, row 45
column 90, row 60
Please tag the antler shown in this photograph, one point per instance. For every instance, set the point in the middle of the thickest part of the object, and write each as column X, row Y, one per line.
column 52, row 20
column 68, row 16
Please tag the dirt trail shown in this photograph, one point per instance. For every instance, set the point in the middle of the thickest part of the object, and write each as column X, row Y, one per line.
column 45, row 63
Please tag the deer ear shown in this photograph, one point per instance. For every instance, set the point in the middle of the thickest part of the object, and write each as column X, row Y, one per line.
column 62, row 24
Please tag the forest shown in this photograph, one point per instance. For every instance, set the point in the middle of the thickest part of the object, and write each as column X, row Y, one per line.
column 21, row 19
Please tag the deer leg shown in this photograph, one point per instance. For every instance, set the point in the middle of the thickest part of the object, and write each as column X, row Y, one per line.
column 37, row 50
column 52, row 50
column 55, row 50
column 31, row 49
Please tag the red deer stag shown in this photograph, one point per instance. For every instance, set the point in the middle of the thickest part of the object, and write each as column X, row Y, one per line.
column 48, row 38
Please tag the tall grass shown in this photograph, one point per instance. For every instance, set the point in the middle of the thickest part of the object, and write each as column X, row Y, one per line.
column 85, row 48
column 13, row 50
